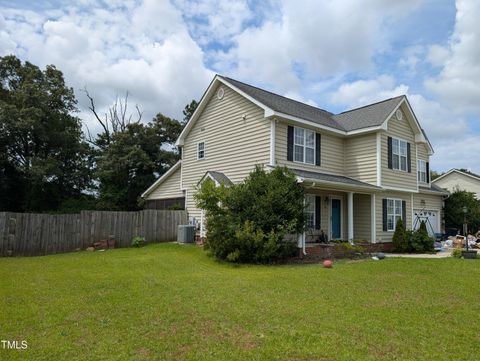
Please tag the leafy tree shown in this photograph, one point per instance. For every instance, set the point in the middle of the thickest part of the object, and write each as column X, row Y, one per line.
column 189, row 110
column 434, row 174
column 250, row 222
column 133, row 158
column 454, row 215
column 44, row 158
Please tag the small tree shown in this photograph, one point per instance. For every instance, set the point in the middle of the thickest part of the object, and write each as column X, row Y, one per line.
column 400, row 241
column 250, row 222
column 421, row 241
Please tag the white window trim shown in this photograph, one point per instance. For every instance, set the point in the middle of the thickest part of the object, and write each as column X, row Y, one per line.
column 400, row 156
column 312, row 200
column 394, row 213
column 305, row 146
column 419, row 161
column 204, row 150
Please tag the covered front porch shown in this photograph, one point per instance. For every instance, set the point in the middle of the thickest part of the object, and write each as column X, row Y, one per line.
column 338, row 209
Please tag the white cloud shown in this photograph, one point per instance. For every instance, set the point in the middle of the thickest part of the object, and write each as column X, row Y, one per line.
column 141, row 48
column 362, row 92
column 459, row 81
column 445, row 128
column 437, row 55
column 322, row 38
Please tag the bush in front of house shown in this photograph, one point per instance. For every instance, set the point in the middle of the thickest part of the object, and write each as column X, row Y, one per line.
column 400, row 240
column 412, row 241
column 250, row 222
column 420, row 240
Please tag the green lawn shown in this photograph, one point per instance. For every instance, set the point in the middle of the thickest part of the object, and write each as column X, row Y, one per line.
column 174, row 302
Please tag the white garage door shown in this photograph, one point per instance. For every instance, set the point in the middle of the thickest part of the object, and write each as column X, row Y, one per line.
column 431, row 219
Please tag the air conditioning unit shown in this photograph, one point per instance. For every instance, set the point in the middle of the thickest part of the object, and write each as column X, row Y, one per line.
column 186, row 234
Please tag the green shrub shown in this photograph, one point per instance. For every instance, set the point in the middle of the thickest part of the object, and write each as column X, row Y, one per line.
column 249, row 222
column 138, row 242
column 457, row 253
column 348, row 250
column 421, row 241
column 400, row 241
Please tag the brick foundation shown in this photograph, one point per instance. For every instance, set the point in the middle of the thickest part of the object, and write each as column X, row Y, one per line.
column 325, row 251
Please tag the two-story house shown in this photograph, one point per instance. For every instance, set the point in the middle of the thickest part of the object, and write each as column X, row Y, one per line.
column 362, row 169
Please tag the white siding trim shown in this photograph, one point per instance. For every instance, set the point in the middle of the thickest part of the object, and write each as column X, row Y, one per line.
column 373, row 221
column 411, row 209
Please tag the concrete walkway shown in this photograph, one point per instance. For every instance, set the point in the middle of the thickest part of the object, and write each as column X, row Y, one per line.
column 419, row 255
column 443, row 254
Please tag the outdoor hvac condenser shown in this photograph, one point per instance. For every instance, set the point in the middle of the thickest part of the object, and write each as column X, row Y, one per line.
column 186, row 234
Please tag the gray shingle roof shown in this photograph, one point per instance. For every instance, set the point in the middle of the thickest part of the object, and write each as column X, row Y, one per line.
column 332, row 178
column 368, row 116
column 364, row 117
column 286, row 105
column 434, row 188
column 217, row 176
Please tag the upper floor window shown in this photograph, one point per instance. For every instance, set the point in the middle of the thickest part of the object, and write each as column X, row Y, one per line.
column 394, row 213
column 422, row 171
column 399, row 154
column 304, row 146
column 201, row 150
column 310, row 210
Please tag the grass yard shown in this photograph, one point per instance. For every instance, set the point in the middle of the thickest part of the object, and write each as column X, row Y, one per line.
column 174, row 302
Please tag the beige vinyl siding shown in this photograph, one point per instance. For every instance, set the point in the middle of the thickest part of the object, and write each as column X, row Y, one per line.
column 422, row 152
column 386, row 236
column 233, row 146
column 432, row 201
column 361, row 158
column 396, row 178
column 332, row 152
column 362, row 217
column 455, row 180
column 169, row 188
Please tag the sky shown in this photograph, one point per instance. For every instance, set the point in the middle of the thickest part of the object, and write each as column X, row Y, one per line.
column 334, row 54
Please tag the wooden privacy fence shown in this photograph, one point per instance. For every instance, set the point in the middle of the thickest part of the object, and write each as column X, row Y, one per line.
column 30, row 234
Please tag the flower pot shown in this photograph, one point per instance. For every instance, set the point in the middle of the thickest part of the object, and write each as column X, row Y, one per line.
column 469, row 254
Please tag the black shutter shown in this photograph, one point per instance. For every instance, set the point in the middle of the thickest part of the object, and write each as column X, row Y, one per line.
column 290, row 143
column 409, row 158
column 318, row 147
column 404, row 214
column 384, row 210
column 427, row 167
column 390, row 153
column 317, row 211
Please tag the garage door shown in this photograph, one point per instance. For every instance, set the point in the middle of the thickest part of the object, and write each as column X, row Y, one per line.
column 431, row 219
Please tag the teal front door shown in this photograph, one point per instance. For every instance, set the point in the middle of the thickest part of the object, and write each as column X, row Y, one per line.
column 336, row 219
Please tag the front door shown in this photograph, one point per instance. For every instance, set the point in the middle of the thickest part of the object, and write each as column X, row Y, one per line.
column 336, row 219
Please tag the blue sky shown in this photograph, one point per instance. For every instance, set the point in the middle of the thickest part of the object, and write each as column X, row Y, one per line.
column 332, row 54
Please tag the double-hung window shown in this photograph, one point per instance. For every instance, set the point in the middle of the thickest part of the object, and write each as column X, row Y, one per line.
column 200, row 150
column 310, row 210
column 399, row 154
column 394, row 213
column 304, row 146
column 422, row 171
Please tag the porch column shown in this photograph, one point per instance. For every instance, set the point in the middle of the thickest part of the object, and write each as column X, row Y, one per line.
column 350, row 217
column 373, row 216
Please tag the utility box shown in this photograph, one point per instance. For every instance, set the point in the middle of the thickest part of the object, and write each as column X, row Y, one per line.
column 186, row 234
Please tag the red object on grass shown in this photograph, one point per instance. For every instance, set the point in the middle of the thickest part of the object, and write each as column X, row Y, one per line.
column 327, row 263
